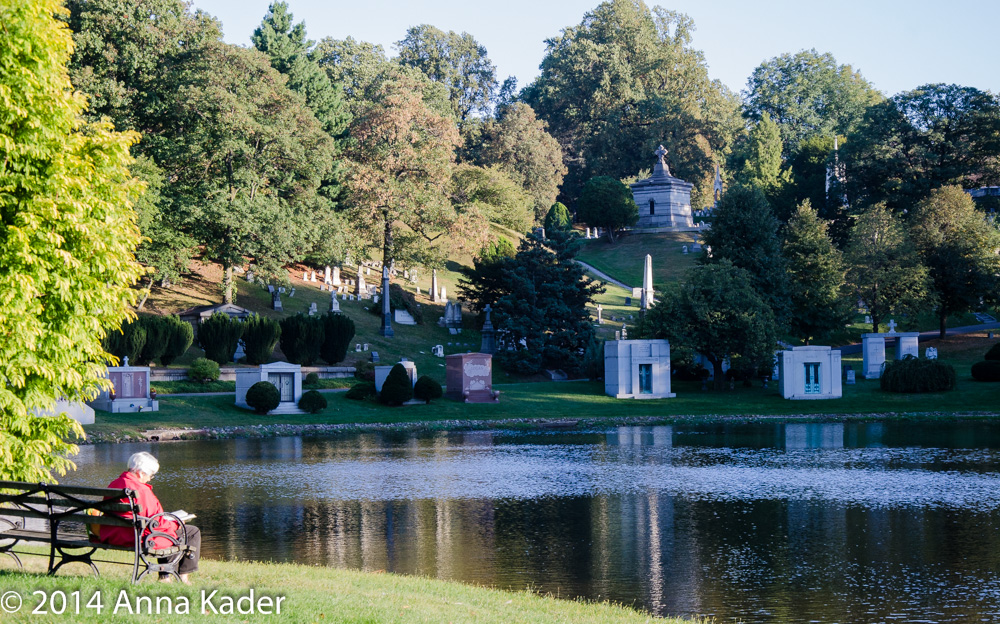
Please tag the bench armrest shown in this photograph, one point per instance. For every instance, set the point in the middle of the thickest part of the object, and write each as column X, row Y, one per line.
column 155, row 523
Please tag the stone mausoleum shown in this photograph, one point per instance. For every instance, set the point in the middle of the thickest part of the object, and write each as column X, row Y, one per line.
column 664, row 201
column 129, row 391
column 810, row 373
column 287, row 378
column 637, row 369
column 873, row 349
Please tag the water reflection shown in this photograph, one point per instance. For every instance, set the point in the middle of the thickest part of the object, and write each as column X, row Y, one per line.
column 765, row 523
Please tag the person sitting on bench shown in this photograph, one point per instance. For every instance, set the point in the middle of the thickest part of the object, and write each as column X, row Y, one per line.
column 142, row 467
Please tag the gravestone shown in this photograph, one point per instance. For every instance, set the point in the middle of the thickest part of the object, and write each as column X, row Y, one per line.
column 364, row 346
column 873, row 355
column 130, row 390
column 438, row 350
column 292, row 294
column 305, row 276
column 334, row 304
column 357, row 348
column 908, row 343
column 375, row 357
column 588, row 233
column 376, row 298
column 312, row 276
column 270, row 288
column 434, row 286
column 931, row 353
column 335, row 280
column 444, row 294
column 600, row 311
column 276, row 302
column 469, row 377
column 362, row 287
column 892, row 326
column 250, row 277
column 326, row 275
column 868, row 320
column 684, row 249
column 489, row 344
column 850, row 377
column 403, row 317
column 281, row 289
column 628, row 301
column 312, row 309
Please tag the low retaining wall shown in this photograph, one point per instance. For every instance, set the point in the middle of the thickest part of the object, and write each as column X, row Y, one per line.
column 228, row 373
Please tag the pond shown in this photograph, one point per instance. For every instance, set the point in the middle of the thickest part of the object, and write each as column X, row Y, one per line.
column 856, row 522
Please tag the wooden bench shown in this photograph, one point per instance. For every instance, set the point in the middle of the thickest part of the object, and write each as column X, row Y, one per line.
column 57, row 515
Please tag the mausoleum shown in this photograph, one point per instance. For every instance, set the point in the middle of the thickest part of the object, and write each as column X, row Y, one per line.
column 664, row 201
column 637, row 369
column 129, row 391
column 287, row 378
column 810, row 373
column 873, row 349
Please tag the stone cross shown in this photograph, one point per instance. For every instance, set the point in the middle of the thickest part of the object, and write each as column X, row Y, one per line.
column 892, row 326
column 125, row 361
column 661, row 153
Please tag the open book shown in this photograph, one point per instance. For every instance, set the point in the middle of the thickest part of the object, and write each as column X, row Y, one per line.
column 184, row 516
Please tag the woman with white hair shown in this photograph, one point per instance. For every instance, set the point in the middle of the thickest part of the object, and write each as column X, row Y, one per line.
column 142, row 467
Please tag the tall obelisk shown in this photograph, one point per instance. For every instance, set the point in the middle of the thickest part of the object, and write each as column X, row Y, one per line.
column 647, row 300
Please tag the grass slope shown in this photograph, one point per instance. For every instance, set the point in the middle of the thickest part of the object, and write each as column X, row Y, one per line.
column 624, row 259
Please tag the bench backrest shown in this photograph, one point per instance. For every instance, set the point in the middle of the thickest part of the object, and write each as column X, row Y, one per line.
column 62, row 503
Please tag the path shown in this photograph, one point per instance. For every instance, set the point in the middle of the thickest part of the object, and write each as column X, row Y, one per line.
column 604, row 276
column 931, row 335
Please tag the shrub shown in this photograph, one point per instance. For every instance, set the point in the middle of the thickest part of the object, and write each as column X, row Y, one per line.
column 312, row 402
column 158, row 332
column 301, row 338
column 426, row 389
column 312, row 380
column 993, row 353
column 397, row 388
column 361, row 391
column 364, row 370
column 180, row 340
column 558, row 218
column 987, row 370
column 263, row 397
column 260, row 335
column 126, row 342
column 218, row 335
column 593, row 359
column 204, row 369
column 915, row 375
column 338, row 331
column 400, row 299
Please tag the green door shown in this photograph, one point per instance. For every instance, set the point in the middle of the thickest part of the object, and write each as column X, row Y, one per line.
column 645, row 379
column 812, row 378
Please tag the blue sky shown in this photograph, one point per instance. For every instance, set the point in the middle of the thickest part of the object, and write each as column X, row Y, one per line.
column 896, row 44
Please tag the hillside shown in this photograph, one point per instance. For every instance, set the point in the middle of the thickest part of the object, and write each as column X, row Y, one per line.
column 624, row 259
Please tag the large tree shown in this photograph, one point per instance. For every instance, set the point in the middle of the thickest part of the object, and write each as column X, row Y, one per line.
column 916, row 141
column 66, row 242
column 959, row 247
column 625, row 80
column 884, row 270
column 718, row 313
column 808, row 94
column 760, row 163
column 607, row 203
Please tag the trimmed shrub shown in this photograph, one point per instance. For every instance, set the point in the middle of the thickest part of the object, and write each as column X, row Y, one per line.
column 914, row 375
column 263, row 397
column 987, row 370
column 427, row 388
column 260, row 335
column 158, row 332
column 993, row 353
column 312, row 380
column 558, row 218
column 338, row 330
column 203, row 369
column 180, row 340
column 364, row 370
column 127, row 341
column 397, row 388
column 312, row 402
column 361, row 391
column 219, row 335
column 301, row 338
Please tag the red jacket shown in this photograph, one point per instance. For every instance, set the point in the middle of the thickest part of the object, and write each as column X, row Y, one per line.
column 149, row 506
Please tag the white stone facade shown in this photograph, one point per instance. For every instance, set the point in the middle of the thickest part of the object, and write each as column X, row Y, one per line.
column 810, row 373
column 873, row 350
column 637, row 369
column 287, row 378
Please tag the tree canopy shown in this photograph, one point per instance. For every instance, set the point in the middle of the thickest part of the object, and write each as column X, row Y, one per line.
column 607, row 203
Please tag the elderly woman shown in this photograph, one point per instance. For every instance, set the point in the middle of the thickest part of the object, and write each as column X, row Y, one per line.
column 142, row 467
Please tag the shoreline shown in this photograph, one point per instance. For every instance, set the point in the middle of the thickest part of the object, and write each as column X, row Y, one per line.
column 540, row 425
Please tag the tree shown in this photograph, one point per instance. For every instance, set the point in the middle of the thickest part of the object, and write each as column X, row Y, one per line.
column 455, row 60
column 607, row 203
column 916, row 141
column 718, row 313
column 745, row 232
column 625, row 80
column 484, row 283
column 259, row 337
column 817, row 305
column 763, row 165
column 959, row 247
column 67, row 241
column 488, row 195
column 558, row 218
column 808, row 94
column 883, row 268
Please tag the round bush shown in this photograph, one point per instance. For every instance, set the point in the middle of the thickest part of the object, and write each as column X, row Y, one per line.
column 397, row 388
column 987, row 370
column 312, row 379
column 914, row 375
column 427, row 388
column 263, row 397
column 203, row 369
column 993, row 353
column 312, row 402
column 361, row 391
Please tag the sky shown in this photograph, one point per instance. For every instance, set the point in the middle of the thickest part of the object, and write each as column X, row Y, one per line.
column 897, row 45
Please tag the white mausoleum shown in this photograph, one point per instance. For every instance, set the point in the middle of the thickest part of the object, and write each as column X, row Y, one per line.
column 637, row 369
column 287, row 378
column 810, row 373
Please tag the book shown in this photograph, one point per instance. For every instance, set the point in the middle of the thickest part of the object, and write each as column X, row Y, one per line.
column 184, row 516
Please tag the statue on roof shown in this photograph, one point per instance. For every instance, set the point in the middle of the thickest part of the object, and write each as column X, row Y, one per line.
column 661, row 163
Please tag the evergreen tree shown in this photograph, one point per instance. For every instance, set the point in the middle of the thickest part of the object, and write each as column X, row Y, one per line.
column 763, row 164
column 607, row 203
column 558, row 218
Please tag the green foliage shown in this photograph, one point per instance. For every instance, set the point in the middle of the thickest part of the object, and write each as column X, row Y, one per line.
column 884, row 269
column 397, row 387
column 912, row 375
column 763, row 165
column 427, row 389
column 338, row 330
column 68, row 240
column 311, row 380
column 260, row 335
column 302, row 338
column 607, row 203
column 128, row 341
column 313, row 402
column 993, row 353
column 203, row 370
column 817, row 302
column 263, row 397
column 361, row 391
column 489, row 194
column 158, row 330
column 987, row 370
column 558, row 218
column 483, row 283
column 717, row 313
column 218, row 336
column 593, row 359
column 400, row 299
column 180, row 340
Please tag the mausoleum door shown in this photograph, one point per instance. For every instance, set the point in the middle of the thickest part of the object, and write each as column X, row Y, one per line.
column 285, row 383
column 645, row 379
column 812, row 378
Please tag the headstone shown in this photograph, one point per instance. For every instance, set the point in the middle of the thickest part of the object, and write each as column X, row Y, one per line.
column 270, row 288
column 600, row 311
column 351, row 297
column 489, row 344
column 469, row 377
column 312, row 309
column 305, row 276
column 418, row 291
column 386, row 328
column 892, row 326
column 647, row 299
column 292, row 294
column 850, row 377
column 375, row 357
column 335, row 280
column 873, row 355
column 684, row 249
column 365, row 346
column 361, row 286
column 438, row 350
column 281, row 289
column 312, row 276
column 343, row 297
column 588, row 233
column 696, row 247
column 322, row 287
column 628, row 301
column 357, row 348
column 327, row 279
column 868, row 320
column 276, row 302
column 444, row 294
column 334, row 304
column 376, row 298
column 403, row 317
column 249, row 278
column 434, row 286
column 618, row 335
column 931, row 353
column 907, row 344
column 624, row 332
column 406, row 273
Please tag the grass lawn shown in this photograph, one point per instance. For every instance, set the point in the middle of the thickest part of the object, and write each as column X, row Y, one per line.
column 624, row 260
column 311, row 594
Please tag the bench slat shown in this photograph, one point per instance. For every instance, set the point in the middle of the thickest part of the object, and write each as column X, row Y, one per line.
column 82, row 518
column 74, row 490
column 33, row 499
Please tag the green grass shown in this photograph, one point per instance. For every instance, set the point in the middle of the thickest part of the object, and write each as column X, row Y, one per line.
column 624, row 259
column 172, row 387
column 311, row 594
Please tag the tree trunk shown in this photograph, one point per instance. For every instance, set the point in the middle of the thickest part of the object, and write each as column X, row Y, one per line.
column 943, row 316
column 876, row 321
column 145, row 294
column 720, row 382
column 227, row 284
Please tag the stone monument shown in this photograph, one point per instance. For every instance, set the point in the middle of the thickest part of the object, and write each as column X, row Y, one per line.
column 664, row 201
column 489, row 344
column 637, row 369
column 469, row 377
column 287, row 378
column 810, row 372
column 129, row 391
column 646, row 298
column 386, row 328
